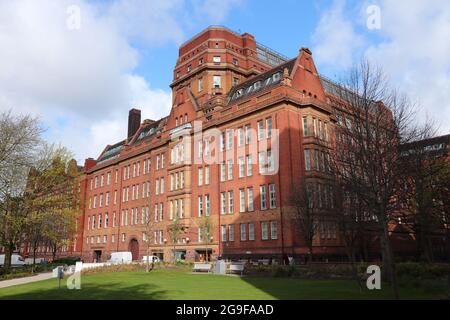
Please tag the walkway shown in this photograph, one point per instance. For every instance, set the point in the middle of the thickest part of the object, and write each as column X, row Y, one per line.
column 15, row 282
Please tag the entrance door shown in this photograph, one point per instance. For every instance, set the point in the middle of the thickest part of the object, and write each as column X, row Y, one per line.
column 134, row 248
column 97, row 255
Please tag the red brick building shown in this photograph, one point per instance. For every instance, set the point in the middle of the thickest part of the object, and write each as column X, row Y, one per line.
column 246, row 124
column 251, row 96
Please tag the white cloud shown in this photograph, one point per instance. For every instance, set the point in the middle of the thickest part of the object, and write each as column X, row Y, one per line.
column 412, row 46
column 415, row 52
column 82, row 82
column 335, row 40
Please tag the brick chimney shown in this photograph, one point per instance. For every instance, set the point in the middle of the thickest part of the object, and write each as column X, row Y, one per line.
column 134, row 121
column 89, row 163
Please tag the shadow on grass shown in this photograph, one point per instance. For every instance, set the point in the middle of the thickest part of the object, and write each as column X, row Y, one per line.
column 307, row 289
column 112, row 291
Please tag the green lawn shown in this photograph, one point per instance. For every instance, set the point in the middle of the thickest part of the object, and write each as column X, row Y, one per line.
column 165, row 284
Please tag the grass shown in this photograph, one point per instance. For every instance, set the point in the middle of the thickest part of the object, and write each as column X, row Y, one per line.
column 177, row 285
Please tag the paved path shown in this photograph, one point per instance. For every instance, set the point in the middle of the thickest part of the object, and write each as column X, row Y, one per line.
column 15, row 282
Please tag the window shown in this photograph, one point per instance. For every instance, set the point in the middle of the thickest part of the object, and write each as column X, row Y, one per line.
column 207, row 206
column 217, row 82
column 263, row 196
column 222, row 174
column 241, row 167
column 269, row 127
column 106, row 220
column 264, row 231
column 250, row 199
column 316, row 160
column 223, row 203
column 231, row 232
column 217, row 59
column 251, row 232
column 100, row 202
column 200, row 236
column 235, row 81
column 249, row 166
column 270, row 162
column 230, row 169
column 272, row 196
column 207, row 175
column 230, row 202
column 315, row 127
column 235, row 61
column 240, row 133
column 108, row 178
column 248, row 134
column 273, row 230
column 161, row 212
column 260, row 130
column 200, row 85
column 262, row 162
column 222, row 141
column 200, row 176
column 200, row 149
column 305, row 126
column 123, row 237
column 229, row 139
column 223, row 233
column 241, row 200
column 162, row 185
column 189, row 68
column 200, row 206
column 307, row 160
column 243, row 231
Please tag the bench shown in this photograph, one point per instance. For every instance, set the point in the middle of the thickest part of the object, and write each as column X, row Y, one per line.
column 236, row 268
column 202, row 267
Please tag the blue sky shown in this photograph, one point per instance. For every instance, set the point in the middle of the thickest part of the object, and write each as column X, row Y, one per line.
column 80, row 65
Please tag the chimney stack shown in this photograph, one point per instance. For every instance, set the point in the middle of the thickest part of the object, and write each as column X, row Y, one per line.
column 134, row 122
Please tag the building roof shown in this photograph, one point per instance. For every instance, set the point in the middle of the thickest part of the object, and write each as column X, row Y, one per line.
column 111, row 152
column 260, row 82
column 147, row 131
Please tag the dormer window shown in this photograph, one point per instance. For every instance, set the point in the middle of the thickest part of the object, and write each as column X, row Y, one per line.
column 277, row 77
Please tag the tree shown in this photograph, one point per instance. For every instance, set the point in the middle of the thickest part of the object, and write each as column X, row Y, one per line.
column 175, row 229
column 425, row 189
column 149, row 227
column 205, row 227
column 306, row 214
column 373, row 120
column 20, row 139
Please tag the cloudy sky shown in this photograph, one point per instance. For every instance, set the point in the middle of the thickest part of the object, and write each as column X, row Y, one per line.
column 81, row 76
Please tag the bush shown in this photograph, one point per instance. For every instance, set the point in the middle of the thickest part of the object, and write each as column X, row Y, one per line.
column 68, row 260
